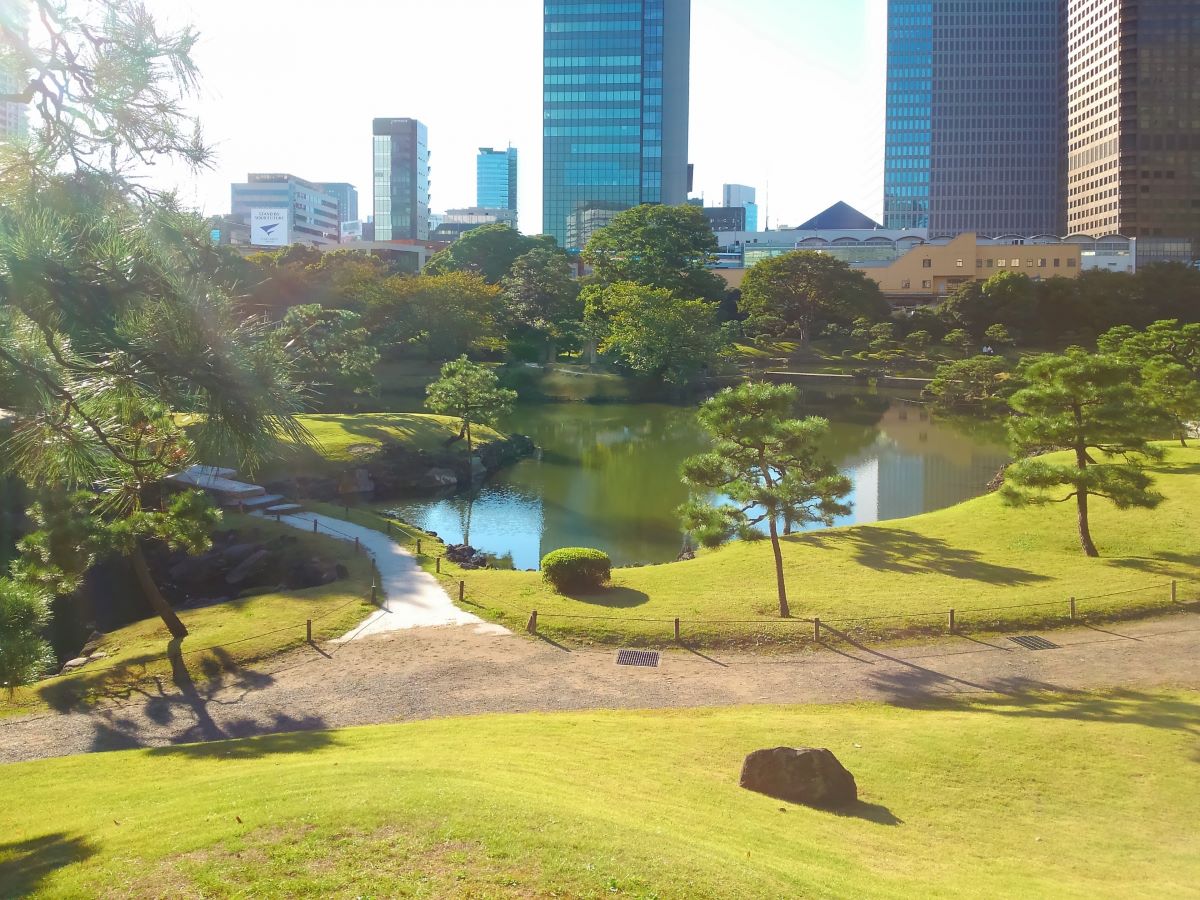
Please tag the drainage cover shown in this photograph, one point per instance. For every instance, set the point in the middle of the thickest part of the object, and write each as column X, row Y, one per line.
column 647, row 658
column 1033, row 642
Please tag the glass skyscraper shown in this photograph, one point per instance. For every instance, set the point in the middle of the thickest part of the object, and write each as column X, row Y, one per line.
column 401, row 180
column 496, row 178
column 615, row 110
column 975, row 116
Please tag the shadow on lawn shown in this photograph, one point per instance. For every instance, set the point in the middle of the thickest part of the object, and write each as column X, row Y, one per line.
column 610, row 597
column 24, row 865
column 907, row 552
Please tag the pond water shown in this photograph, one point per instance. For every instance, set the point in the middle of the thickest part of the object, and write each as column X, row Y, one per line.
column 607, row 476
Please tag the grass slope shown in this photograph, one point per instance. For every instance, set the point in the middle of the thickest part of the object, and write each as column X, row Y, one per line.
column 222, row 637
column 1079, row 796
column 975, row 556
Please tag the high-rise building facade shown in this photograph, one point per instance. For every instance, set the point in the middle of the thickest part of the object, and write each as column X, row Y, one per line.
column 615, row 110
column 1133, row 147
column 281, row 210
column 740, row 195
column 347, row 198
column 14, row 121
column 975, row 113
column 496, row 178
column 401, row 176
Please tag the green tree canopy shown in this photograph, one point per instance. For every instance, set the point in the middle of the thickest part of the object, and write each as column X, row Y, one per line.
column 769, row 464
column 541, row 296
column 488, row 251
column 981, row 383
column 330, row 350
column 24, row 654
column 1089, row 405
column 793, row 295
column 666, row 247
column 471, row 392
column 1168, row 356
column 652, row 333
column 439, row 316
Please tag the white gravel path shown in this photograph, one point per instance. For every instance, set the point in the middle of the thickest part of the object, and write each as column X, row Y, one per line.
column 412, row 598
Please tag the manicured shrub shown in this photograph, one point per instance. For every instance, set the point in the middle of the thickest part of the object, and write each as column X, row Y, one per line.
column 576, row 569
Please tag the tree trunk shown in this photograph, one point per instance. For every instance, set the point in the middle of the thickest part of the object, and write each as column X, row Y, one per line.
column 1085, row 531
column 154, row 595
column 784, row 611
column 470, row 446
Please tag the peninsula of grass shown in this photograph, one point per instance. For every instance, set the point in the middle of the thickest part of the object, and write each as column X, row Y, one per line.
column 1033, row 796
column 222, row 638
column 979, row 558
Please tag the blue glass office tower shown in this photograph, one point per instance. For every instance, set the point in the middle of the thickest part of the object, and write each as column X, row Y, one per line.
column 615, row 110
column 975, row 116
column 496, row 178
column 401, row 179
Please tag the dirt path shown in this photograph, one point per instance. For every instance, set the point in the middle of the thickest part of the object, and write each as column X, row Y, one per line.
column 430, row 672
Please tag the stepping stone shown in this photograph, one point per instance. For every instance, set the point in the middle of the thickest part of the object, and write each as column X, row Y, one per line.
column 225, row 488
column 284, row 509
column 255, row 502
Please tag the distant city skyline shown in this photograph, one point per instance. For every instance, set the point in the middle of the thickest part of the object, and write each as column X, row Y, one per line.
column 803, row 65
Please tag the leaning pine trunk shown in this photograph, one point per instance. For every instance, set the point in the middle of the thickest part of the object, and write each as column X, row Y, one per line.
column 784, row 611
column 1085, row 531
column 154, row 595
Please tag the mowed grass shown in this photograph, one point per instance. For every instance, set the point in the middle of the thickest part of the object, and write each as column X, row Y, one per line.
column 978, row 558
column 222, row 637
column 1077, row 796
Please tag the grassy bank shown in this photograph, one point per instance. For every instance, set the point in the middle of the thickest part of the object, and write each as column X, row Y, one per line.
column 222, row 637
column 633, row 804
column 978, row 558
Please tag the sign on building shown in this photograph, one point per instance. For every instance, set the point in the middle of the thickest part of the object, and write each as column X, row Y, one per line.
column 269, row 228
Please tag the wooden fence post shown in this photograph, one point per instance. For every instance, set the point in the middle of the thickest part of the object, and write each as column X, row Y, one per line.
column 1072, row 609
column 816, row 629
column 357, row 548
column 314, row 526
column 308, row 630
column 374, row 593
column 438, row 565
column 462, row 591
column 532, row 626
column 418, row 546
column 1174, row 591
column 952, row 621
column 677, row 631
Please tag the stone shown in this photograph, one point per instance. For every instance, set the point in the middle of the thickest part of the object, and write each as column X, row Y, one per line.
column 438, row 479
column 467, row 557
column 99, row 654
column 313, row 572
column 75, row 663
column 248, row 568
column 805, row 775
column 238, row 553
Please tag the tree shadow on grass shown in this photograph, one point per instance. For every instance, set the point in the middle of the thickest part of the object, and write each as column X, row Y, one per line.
column 870, row 812
column 294, row 736
column 907, row 552
column 1165, row 564
column 24, row 865
column 614, row 597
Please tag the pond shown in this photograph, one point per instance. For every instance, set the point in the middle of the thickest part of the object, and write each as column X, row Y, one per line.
column 607, row 476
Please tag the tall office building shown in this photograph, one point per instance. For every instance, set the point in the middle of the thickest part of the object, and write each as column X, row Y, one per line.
column 739, row 195
column 347, row 198
column 615, row 110
column 496, row 179
column 401, row 176
column 1134, row 123
column 975, row 113
column 14, row 14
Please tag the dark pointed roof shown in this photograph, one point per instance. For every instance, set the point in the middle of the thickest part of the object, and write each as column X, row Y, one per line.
column 839, row 217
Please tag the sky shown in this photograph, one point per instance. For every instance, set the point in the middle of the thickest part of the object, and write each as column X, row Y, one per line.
column 787, row 95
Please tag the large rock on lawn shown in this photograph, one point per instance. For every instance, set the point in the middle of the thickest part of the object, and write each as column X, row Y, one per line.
column 800, row 775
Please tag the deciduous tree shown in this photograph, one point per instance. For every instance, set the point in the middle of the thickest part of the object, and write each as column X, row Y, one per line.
column 471, row 392
column 330, row 349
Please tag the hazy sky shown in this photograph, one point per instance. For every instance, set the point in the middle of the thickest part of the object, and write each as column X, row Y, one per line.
column 785, row 92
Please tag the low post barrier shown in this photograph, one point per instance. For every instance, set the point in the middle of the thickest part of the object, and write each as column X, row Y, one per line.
column 308, row 631
column 314, row 526
column 1072, row 609
column 438, row 565
column 418, row 546
column 462, row 591
column 816, row 629
column 1174, row 591
column 952, row 625
column 677, row 631
column 532, row 626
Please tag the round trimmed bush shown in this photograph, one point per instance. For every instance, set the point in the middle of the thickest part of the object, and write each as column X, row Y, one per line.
column 576, row 569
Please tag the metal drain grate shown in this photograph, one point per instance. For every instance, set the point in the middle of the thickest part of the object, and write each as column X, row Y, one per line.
column 1033, row 642
column 647, row 658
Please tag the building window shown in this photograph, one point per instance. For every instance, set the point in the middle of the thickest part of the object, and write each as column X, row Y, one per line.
column 1070, row 263
column 991, row 263
column 927, row 264
column 1041, row 263
column 1002, row 263
column 979, row 263
column 959, row 263
column 927, row 284
column 1016, row 263
column 1057, row 263
column 905, row 284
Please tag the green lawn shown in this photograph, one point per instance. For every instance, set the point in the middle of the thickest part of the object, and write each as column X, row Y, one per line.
column 1080, row 796
column 222, row 637
column 975, row 556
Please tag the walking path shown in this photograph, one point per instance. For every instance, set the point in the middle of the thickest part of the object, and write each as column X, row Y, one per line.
column 420, row 673
column 412, row 597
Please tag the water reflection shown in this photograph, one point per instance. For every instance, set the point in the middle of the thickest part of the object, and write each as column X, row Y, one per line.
column 608, row 476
